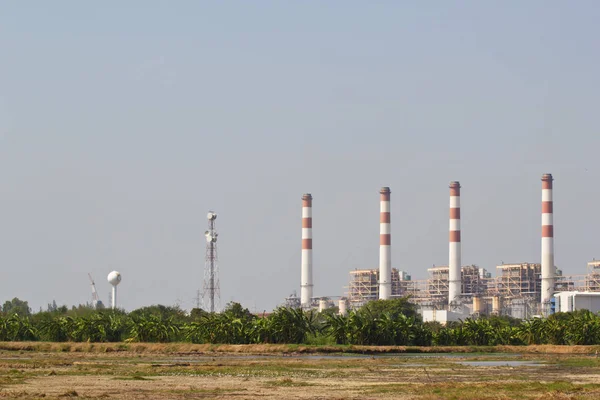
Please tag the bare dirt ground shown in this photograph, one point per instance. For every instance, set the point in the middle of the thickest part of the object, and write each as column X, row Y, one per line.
column 154, row 375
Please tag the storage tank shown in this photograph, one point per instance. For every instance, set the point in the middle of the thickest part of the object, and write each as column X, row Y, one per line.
column 496, row 305
column 342, row 307
column 322, row 305
column 477, row 305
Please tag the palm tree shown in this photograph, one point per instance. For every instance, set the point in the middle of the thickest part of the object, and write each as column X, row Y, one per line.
column 336, row 326
column 362, row 328
column 532, row 331
column 479, row 332
column 583, row 328
column 153, row 328
column 57, row 329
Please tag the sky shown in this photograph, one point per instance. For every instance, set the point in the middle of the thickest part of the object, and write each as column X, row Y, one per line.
column 123, row 123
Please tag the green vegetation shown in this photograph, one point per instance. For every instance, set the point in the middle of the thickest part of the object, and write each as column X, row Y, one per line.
column 381, row 323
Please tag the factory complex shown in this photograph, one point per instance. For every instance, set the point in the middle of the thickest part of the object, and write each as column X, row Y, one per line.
column 456, row 291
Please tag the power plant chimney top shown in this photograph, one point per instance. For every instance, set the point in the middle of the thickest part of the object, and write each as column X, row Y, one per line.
column 455, row 184
column 385, row 189
column 547, row 178
column 307, row 196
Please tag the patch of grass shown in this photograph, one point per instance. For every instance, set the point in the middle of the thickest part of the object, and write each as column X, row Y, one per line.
column 70, row 393
column 133, row 378
column 205, row 392
column 489, row 390
column 288, row 382
column 588, row 362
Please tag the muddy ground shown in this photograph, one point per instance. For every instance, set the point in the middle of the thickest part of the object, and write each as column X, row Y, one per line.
column 33, row 374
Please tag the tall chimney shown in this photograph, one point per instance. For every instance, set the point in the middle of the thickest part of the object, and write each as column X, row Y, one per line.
column 385, row 241
column 548, row 269
column 454, row 261
column 306, row 284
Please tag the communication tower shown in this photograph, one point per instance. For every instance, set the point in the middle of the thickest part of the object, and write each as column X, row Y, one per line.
column 211, row 293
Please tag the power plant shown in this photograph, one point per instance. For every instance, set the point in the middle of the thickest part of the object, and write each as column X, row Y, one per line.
column 457, row 291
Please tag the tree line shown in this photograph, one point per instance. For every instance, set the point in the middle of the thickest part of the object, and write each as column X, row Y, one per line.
column 382, row 322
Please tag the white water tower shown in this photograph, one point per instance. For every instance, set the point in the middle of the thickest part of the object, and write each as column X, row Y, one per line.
column 114, row 278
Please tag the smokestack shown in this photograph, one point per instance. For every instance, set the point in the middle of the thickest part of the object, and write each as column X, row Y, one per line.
column 306, row 284
column 547, row 241
column 454, row 261
column 385, row 248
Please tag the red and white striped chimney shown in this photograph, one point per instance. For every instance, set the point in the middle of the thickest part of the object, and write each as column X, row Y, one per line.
column 454, row 259
column 306, row 280
column 548, row 269
column 385, row 248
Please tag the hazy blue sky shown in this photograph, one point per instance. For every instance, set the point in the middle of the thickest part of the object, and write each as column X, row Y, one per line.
column 123, row 123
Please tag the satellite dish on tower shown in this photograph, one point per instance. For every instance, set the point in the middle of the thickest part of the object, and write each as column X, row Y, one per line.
column 210, row 236
column 211, row 216
column 114, row 278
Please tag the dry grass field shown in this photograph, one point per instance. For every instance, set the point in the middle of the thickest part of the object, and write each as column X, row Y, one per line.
column 183, row 371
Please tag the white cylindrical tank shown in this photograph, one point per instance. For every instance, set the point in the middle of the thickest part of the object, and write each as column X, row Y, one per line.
column 385, row 245
column 114, row 278
column 496, row 305
column 342, row 307
column 477, row 305
column 322, row 305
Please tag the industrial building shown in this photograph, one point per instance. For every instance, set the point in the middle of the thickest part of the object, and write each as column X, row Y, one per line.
column 455, row 291
column 515, row 291
column 364, row 286
column 576, row 301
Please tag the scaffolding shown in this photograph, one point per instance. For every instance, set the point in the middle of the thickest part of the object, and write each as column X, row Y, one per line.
column 519, row 280
column 474, row 282
column 364, row 286
column 516, row 291
column 592, row 279
column 437, row 288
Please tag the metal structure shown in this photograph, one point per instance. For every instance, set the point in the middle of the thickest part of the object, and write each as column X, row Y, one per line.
column 306, row 281
column 114, row 278
column 292, row 301
column 365, row 285
column 211, row 293
column 385, row 245
column 454, row 250
column 548, row 272
column 96, row 302
column 592, row 279
column 518, row 280
column 473, row 281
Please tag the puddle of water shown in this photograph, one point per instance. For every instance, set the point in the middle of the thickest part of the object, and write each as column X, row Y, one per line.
column 346, row 356
column 506, row 363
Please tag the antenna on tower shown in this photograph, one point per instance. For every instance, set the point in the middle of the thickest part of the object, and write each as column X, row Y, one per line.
column 198, row 298
column 211, row 293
